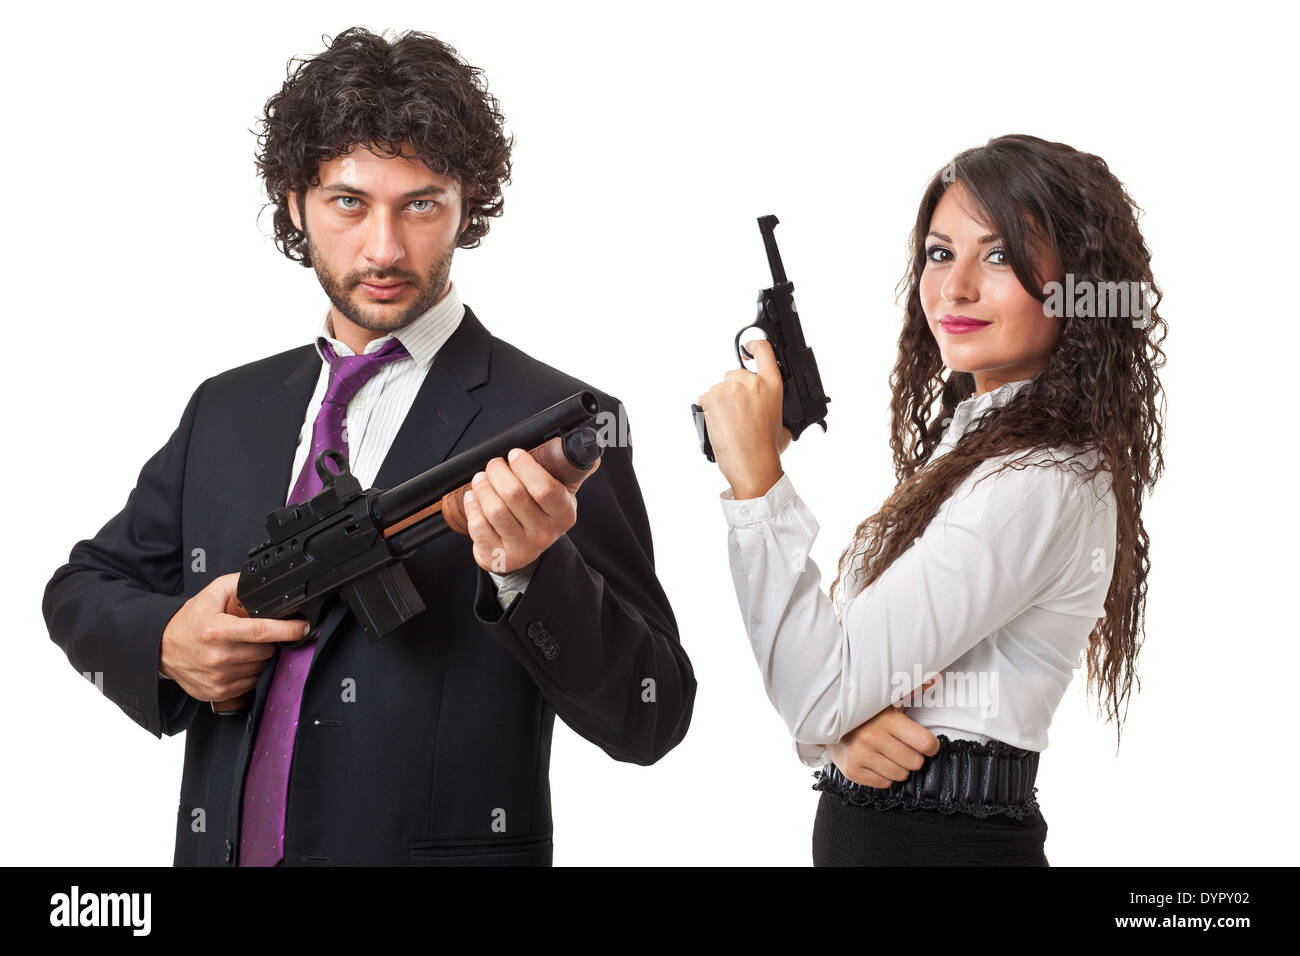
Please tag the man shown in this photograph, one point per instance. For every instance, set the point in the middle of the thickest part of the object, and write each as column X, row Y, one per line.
column 432, row 745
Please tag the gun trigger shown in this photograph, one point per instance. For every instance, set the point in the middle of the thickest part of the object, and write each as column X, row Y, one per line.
column 822, row 423
column 742, row 353
column 313, row 613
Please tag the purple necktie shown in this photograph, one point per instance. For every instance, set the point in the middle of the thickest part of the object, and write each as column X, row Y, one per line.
column 266, row 785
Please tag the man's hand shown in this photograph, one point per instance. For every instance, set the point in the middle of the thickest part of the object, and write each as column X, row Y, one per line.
column 743, row 416
column 886, row 748
column 517, row 509
column 216, row 656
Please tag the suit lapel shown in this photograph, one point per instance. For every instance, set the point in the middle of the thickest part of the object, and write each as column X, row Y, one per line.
column 275, row 428
column 443, row 407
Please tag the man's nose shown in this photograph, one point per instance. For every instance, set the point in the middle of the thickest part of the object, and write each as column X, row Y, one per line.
column 384, row 244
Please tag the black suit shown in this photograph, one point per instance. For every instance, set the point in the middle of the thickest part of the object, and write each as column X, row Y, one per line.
column 443, row 756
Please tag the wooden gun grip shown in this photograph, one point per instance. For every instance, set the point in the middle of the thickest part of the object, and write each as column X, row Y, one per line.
column 550, row 455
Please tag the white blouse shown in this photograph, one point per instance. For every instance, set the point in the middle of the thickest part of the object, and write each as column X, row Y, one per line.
column 1000, row 593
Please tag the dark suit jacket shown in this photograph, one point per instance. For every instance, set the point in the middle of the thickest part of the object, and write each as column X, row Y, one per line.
column 443, row 756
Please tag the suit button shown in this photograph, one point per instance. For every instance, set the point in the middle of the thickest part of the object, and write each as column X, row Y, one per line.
column 536, row 631
column 230, row 851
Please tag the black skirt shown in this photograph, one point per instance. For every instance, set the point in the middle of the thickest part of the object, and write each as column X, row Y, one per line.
column 969, row 805
column 848, row 834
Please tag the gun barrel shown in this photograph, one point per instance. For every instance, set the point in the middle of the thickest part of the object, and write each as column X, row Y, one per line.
column 765, row 225
column 404, row 500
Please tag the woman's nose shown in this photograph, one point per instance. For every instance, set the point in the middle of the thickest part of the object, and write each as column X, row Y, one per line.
column 961, row 283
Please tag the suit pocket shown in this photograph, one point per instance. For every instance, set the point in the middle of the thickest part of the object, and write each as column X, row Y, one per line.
column 519, row 851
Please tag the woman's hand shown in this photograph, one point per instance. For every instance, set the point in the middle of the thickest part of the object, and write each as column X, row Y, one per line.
column 886, row 749
column 743, row 416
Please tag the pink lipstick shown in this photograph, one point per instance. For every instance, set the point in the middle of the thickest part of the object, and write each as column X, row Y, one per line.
column 961, row 324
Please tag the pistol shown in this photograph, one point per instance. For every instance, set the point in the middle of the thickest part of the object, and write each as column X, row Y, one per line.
column 803, row 401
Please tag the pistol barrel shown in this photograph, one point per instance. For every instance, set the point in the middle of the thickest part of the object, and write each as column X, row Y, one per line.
column 765, row 225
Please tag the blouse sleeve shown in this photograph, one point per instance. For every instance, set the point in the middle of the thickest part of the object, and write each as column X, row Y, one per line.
column 988, row 555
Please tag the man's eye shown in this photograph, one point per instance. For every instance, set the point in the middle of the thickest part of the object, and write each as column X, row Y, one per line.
column 428, row 208
column 347, row 199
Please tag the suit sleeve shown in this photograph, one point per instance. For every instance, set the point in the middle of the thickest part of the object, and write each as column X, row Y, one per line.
column 594, row 627
column 108, row 606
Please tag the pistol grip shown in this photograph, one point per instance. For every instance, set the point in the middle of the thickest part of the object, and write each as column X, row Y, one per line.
column 701, row 428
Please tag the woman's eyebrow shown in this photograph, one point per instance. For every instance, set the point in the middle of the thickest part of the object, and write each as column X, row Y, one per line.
column 983, row 240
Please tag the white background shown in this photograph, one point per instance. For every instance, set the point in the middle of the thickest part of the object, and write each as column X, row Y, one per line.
column 628, row 255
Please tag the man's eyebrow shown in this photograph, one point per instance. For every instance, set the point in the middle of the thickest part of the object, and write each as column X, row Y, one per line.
column 991, row 237
column 342, row 187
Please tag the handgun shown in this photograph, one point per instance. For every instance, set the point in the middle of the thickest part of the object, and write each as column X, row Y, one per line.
column 351, row 544
column 803, row 402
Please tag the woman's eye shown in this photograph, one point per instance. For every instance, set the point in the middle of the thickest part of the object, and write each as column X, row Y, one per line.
column 936, row 253
column 999, row 252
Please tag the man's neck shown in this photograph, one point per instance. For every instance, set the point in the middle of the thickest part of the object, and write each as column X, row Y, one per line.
column 350, row 334
column 357, row 338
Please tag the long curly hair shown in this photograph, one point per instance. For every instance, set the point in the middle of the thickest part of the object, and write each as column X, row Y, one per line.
column 1099, row 389
column 367, row 91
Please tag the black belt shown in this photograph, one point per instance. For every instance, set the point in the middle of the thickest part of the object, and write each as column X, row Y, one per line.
column 963, row 777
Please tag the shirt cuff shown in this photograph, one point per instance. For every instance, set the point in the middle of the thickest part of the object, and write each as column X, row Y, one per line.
column 512, row 583
column 748, row 511
column 812, row 755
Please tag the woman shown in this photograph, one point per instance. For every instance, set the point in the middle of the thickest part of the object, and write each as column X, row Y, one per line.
column 1013, row 541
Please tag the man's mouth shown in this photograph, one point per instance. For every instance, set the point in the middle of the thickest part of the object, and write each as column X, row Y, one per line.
column 383, row 290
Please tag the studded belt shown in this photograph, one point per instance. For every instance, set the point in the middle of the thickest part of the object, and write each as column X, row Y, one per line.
column 965, row 776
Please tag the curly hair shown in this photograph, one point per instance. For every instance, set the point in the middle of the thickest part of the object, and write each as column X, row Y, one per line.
column 367, row 91
column 1099, row 389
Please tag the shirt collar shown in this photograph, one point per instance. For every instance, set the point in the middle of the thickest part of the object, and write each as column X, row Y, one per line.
column 422, row 338
column 971, row 408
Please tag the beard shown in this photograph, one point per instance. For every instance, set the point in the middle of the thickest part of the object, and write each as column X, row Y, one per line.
column 379, row 317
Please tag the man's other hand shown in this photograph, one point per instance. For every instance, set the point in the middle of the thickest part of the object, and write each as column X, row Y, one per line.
column 216, row 656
